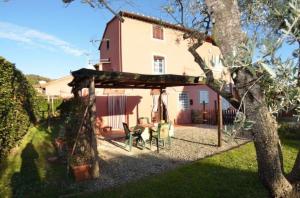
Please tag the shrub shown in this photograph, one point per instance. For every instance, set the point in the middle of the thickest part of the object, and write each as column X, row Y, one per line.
column 17, row 106
column 72, row 111
column 289, row 130
column 43, row 108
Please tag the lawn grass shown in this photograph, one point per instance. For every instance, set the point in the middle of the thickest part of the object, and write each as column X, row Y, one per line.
column 26, row 173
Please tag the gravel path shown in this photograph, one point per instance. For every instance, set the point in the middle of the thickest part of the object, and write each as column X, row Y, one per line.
column 189, row 144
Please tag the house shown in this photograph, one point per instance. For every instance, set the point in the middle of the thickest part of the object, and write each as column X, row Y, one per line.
column 58, row 87
column 146, row 45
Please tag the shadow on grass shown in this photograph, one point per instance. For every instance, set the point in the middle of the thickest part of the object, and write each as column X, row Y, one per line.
column 27, row 182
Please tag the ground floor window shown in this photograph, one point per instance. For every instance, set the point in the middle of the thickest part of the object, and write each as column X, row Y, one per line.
column 183, row 100
column 203, row 97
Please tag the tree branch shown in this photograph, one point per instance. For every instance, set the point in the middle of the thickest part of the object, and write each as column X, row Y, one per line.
column 107, row 6
column 181, row 11
column 93, row 4
column 214, row 84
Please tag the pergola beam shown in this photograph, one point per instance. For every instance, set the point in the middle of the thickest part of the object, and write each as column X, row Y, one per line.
column 113, row 79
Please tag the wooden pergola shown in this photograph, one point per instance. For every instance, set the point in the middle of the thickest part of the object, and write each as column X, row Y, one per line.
column 126, row 80
column 91, row 79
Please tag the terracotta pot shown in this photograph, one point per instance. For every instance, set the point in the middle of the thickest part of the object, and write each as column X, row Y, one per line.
column 81, row 172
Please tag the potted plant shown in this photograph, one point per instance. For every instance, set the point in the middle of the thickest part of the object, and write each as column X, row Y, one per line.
column 80, row 166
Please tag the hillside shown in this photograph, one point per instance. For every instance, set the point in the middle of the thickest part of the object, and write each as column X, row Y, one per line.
column 34, row 79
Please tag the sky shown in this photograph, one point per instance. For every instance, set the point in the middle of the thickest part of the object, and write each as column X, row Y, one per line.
column 51, row 39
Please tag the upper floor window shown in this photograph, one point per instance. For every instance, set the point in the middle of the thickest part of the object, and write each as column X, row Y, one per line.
column 159, row 65
column 107, row 44
column 203, row 95
column 158, row 32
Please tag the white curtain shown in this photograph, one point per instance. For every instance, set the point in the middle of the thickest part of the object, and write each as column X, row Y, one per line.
column 116, row 111
column 155, row 103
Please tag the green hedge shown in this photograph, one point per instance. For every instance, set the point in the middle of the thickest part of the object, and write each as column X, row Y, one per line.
column 17, row 106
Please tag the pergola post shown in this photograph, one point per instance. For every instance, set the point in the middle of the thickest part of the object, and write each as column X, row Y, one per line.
column 95, row 170
column 161, row 108
column 220, row 120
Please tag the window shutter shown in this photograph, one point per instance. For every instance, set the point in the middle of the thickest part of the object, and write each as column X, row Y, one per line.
column 157, row 32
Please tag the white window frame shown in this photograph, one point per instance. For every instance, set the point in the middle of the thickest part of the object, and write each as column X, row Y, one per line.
column 203, row 96
column 182, row 105
column 164, row 65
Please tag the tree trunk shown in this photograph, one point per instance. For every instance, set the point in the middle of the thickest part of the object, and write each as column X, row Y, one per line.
column 266, row 143
column 228, row 35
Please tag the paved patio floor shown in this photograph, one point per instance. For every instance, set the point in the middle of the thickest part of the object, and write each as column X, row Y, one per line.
column 189, row 144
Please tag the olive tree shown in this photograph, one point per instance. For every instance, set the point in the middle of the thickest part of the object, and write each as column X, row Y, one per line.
column 269, row 24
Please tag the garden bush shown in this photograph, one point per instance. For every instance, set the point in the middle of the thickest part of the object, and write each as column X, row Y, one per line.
column 71, row 112
column 289, row 130
column 18, row 103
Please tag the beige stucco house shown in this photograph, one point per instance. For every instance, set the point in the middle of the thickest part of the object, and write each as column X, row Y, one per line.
column 146, row 45
column 58, row 87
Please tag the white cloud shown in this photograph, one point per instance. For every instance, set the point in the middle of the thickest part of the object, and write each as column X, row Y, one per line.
column 37, row 39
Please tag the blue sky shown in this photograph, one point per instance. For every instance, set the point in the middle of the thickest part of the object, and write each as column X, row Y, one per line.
column 50, row 39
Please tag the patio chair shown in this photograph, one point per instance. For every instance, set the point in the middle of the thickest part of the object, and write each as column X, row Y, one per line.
column 162, row 134
column 145, row 130
column 143, row 120
column 130, row 136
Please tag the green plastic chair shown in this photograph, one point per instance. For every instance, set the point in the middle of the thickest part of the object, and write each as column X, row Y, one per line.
column 130, row 136
column 162, row 134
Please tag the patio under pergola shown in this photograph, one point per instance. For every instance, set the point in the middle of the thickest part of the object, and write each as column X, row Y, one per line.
column 91, row 79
